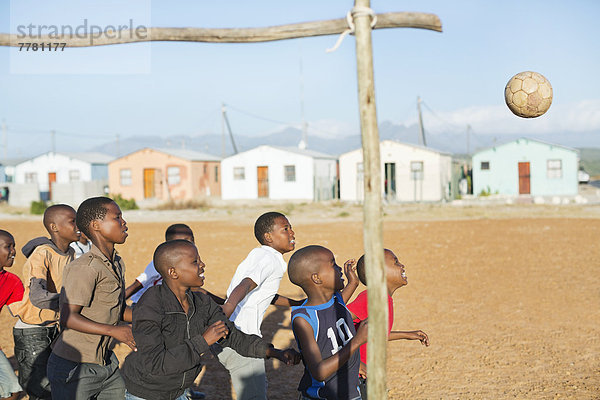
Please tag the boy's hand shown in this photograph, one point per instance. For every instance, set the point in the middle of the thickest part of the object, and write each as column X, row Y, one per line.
column 361, row 333
column 287, row 356
column 362, row 370
column 123, row 334
column 350, row 271
column 421, row 336
column 215, row 332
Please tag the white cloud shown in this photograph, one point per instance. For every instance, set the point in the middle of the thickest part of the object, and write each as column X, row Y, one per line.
column 582, row 116
column 330, row 128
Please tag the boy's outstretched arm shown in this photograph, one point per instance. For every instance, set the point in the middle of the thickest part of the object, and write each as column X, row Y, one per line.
column 70, row 317
column 246, row 286
column 133, row 289
column 352, row 277
column 319, row 368
column 410, row 335
column 283, row 301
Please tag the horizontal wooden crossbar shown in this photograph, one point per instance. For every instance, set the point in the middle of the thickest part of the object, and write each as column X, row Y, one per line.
column 234, row 35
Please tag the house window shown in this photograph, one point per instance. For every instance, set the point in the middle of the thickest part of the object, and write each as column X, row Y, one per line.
column 216, row 173
column 30, row 177
column 289, row 173
column 485, row 165
column 416, row 170
column 74, row 175
column 125, row 175
column 204, row 169
column 173, row 176
column 239, row 174
column 554, row 168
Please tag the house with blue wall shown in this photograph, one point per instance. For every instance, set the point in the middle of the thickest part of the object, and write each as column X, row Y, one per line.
column 526, row 167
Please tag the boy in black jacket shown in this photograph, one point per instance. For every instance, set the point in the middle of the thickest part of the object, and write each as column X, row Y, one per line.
column 174, row 326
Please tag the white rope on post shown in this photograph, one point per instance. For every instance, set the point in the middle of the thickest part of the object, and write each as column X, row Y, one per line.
column 357, row 11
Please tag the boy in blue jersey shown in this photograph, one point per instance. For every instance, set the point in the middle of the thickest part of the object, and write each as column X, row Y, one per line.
column 323, row 325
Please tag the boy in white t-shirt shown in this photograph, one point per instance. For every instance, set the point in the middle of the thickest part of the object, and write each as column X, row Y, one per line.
column 252, row 289
column 82, row 246
column 150, row 277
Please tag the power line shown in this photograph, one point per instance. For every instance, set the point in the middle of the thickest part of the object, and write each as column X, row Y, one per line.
column 440, row 118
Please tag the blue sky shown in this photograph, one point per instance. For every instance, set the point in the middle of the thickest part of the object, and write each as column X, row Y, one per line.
column 173, row 88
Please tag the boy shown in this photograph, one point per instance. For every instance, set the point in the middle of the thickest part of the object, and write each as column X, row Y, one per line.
column 37, row 325
column 323, row 326
column 11, row 290
column 150, row 277
column 252, row 289
column 396, row 278
column 174, row 326
column 82, row 246
column 92, row 302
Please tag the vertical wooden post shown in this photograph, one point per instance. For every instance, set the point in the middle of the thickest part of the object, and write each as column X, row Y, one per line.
column 372, row 215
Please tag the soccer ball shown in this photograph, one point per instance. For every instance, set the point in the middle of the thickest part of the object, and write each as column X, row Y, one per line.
column 528, row 94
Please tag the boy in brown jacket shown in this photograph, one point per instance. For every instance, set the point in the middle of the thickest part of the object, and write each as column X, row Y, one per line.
column 92, row 302
column 37, row 326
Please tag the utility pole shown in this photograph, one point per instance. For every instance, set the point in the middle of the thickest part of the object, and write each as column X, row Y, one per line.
column 5, row 139
column 421, row 128
column 222, row 130
column 468, row 139
column 304, row 141
column 53, row 139
column 224, row 113
column 117, row 147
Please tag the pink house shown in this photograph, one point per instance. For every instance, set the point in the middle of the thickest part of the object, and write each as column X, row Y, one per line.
column 165, row 174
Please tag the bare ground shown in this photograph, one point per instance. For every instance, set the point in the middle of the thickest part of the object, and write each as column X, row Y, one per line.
column 507, row 293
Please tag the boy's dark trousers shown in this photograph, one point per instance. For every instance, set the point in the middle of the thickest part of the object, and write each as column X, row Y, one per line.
column 78, row 381
column 362, row 385
column 32, row 349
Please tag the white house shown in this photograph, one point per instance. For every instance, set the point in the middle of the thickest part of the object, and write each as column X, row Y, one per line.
column 408, row 173
column 526, row 167
column 279, row 173
column 51, row 169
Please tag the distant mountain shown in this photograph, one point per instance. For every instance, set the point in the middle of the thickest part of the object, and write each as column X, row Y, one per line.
column 454, row 143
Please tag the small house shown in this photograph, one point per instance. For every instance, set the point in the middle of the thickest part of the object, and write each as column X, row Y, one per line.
column 165, row 174
column 280, row 173
column 409, row 173
column 526, row 167
column 67, row 170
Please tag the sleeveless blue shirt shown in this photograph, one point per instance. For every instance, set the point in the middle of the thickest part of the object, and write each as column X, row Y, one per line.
column 333, row 328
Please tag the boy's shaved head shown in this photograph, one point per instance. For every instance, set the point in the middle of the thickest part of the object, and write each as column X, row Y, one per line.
column 264, row 224
column 178, row 230
column 91, row 209
column 53, row 211
column 167, row 254
column 305, row 262
column 6, row 235
column 361, row 270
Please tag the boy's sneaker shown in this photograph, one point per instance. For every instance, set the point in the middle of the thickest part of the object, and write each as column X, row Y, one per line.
column 194, row 394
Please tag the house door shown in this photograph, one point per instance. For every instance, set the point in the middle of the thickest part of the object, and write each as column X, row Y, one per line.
column 524, row 178
column 149, row 183
column 390, row 181
column 51, row 180
column 262, row 174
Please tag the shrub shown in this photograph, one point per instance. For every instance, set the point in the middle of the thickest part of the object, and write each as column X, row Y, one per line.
column 124, row 204
column 38, row 207
column 183, row 205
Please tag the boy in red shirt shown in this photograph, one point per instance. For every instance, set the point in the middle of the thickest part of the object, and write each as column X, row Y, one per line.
column 396, row 278
column 11, row 290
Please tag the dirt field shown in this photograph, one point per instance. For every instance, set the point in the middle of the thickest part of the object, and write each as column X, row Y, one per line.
column 509, row 295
